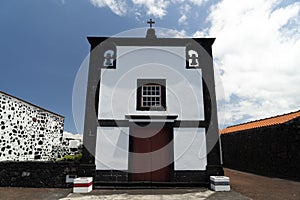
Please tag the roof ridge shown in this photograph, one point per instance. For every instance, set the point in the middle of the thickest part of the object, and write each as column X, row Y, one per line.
column 264, row 119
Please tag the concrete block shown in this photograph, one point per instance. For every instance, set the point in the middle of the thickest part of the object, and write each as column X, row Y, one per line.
column 219, row 183
column 83, row 185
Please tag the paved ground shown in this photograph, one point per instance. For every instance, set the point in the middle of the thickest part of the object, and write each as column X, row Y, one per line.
column 244, row 186
column 139, row 194
column 157, row 194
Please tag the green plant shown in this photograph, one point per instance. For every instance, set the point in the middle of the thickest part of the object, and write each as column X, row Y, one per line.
column 75, row 157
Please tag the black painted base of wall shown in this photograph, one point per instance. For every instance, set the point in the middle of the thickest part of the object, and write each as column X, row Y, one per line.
column 180, row 178
column 53, row 175
column 190, row 177
column 214, row 170
column 110, row 176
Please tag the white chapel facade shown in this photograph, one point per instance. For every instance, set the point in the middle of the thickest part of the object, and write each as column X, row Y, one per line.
column 151, row 111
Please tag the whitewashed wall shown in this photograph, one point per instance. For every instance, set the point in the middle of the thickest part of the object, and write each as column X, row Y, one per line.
column 183, row 86
column 189, row 149
column 112, row 148
column 28, row 132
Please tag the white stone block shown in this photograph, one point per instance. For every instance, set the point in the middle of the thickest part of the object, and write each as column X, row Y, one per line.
column 83, row 185
column 220, row 188
column 220, row 183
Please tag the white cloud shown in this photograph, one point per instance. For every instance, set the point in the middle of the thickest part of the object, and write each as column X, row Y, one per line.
column 182, row 20
column 185, row 12
column 199, row 34
column 257, row 48
column 118, row 7
column 72, row 136
column 157, row 8
column 197, row 2
column 170, row 33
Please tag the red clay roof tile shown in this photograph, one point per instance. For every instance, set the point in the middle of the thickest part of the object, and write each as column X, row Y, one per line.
column 280, row 119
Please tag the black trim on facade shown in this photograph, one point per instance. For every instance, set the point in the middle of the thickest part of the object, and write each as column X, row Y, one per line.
column 190, row 124
column 109, row 67
column 176, row 124
column 205, row 42
column 149, row 117
column 91, row 118
column 113, row 123
column 112, row 176
column 190, row 176
column 97, row 98
column 214, row 170
column 178, row 178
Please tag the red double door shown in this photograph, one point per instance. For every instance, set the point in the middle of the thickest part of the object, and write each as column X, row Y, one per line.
column 151, row 160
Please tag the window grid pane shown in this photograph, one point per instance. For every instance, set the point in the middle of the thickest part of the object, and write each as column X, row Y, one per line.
column 151, row 96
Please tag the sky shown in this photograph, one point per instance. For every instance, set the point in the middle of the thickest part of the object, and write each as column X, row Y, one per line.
column 256, row 52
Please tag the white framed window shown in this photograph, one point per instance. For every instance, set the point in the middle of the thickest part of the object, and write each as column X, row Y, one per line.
column 151, row 95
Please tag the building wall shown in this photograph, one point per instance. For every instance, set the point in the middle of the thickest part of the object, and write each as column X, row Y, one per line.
column 118, row 88
column 272, row 151
column 112, row 148
column 189, row 149
column 184, row 97
column 28, row 132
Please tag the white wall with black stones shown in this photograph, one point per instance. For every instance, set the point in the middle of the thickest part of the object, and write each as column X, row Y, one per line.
column 27, row 132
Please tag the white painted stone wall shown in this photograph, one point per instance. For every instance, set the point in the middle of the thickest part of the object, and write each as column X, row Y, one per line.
column 118, row 87
column 189, row 149
column 112, row 148
column 184, row 97
column 28, row 132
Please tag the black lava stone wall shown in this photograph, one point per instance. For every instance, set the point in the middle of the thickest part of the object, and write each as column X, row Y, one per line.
column 37, row 174
column 272, row 151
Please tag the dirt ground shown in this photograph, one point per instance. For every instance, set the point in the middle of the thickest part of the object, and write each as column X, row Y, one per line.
column 260, row 187
column 17, row 193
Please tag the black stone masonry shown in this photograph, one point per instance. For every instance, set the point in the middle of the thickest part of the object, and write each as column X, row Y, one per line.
column 272, row 151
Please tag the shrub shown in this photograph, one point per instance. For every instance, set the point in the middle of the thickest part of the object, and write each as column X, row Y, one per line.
column 75, row 157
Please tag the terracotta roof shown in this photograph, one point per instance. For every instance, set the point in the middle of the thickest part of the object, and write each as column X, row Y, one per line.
column 280, row 119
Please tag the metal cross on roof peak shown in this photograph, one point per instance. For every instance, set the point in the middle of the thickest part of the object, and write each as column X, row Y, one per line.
column 150, row 22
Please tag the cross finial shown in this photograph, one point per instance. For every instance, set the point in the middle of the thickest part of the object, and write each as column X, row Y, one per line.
column 150, row 22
